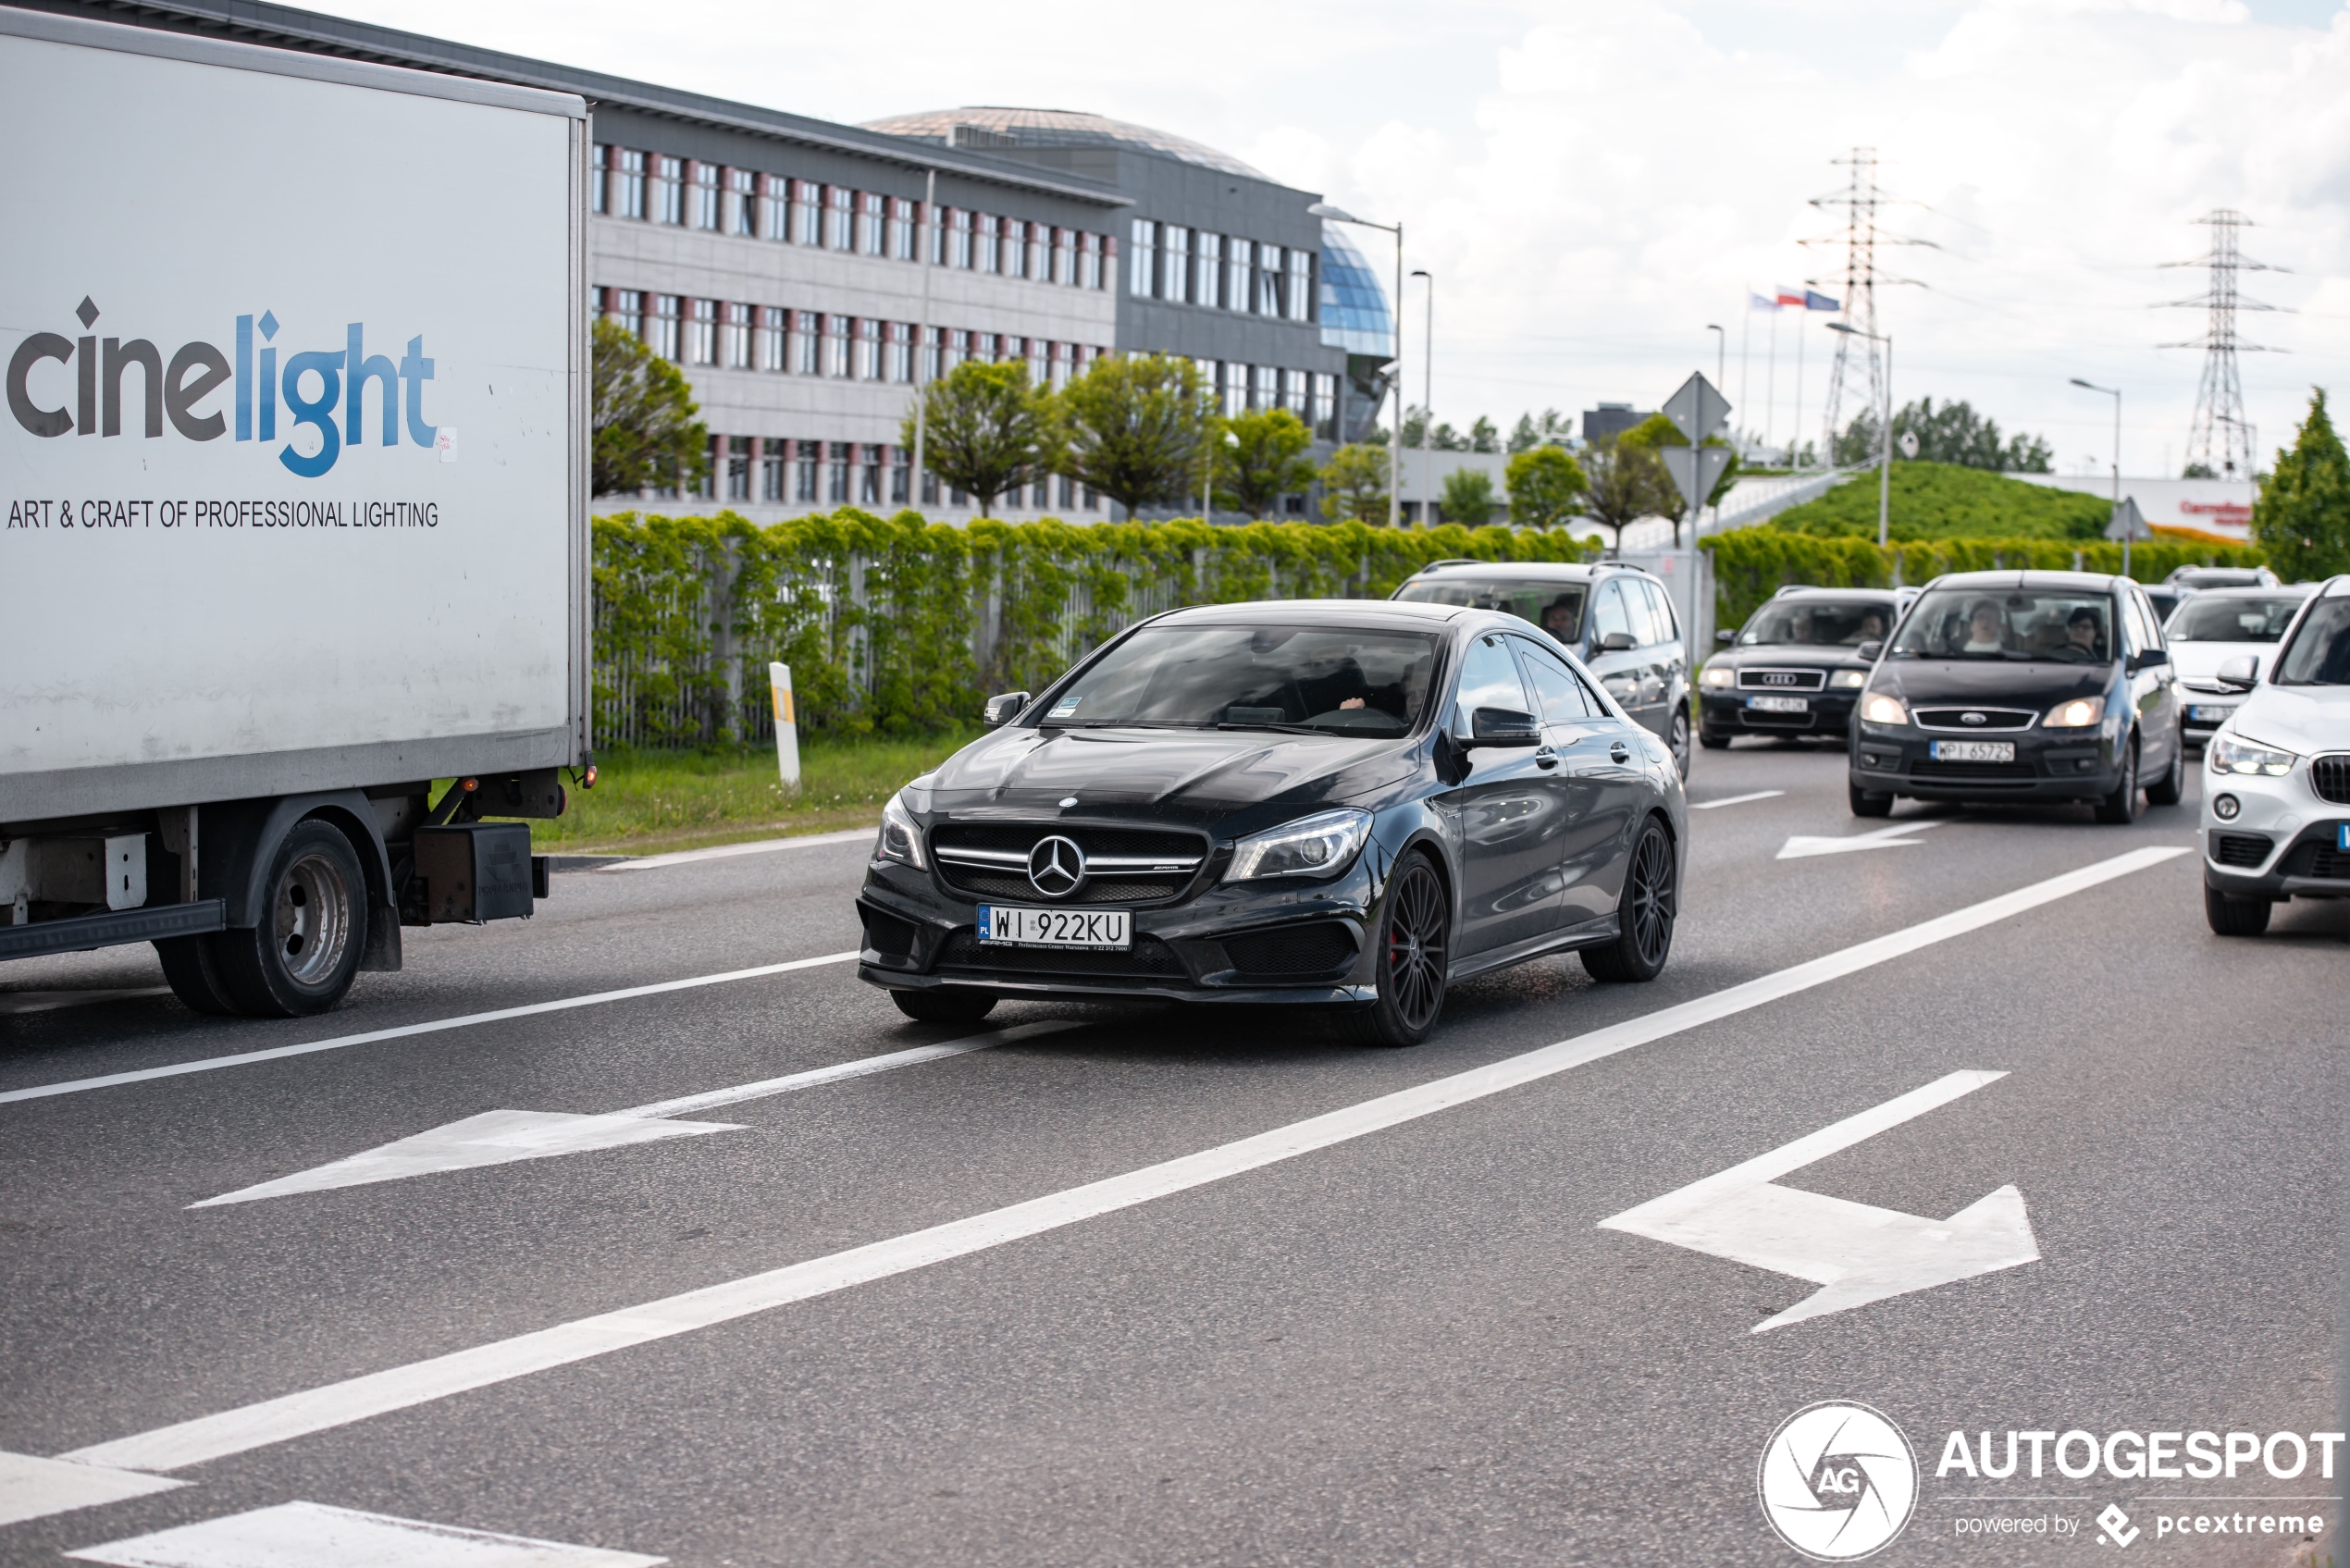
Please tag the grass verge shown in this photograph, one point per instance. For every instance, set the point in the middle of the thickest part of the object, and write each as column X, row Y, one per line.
column 647, row 802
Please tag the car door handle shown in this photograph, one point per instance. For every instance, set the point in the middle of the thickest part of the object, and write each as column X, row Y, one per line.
column 1619, row 753
column 1545, row 758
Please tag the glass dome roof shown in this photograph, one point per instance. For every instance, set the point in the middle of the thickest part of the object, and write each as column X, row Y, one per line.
column 1054, row 127
column 1354, row 311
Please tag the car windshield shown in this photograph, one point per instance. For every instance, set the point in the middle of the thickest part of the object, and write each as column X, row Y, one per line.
column 2232, row 620
column 2318, row 654
column 1822, row 623
column 1254, row 677
column 1957, row 622
column 1557, row 608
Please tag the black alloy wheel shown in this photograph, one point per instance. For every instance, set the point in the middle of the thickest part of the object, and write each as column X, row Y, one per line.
column 2234, row 917
column 1413, row 944
column 1645, row 914
column 1680, row 743
column 2121, row 808
column 945, row 1007
column 2172, row 787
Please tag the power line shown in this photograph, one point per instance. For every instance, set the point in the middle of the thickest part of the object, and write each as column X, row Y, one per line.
column 1862, row 200
column 2221, row 440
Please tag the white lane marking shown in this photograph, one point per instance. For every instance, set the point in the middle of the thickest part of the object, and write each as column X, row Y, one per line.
column 12, row 1001
column 727, row 851
column 1736, row 799
column 310, row 1535
column 503, row 1137
column 400, row 1387
column 35, row 1488
column 275, row 1053
column 1858, row 1253
column 1895, row 837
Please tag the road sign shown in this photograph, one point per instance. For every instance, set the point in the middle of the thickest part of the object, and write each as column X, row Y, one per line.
column 1697, row 411
column 2129, row 524
column 1695, row 470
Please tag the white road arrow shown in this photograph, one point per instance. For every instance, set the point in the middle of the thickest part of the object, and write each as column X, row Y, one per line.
column 1856, row 1252
column 1895, row 837
column 502, row 1137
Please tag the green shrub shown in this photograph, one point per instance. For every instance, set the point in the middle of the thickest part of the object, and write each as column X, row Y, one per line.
column 1940, row 500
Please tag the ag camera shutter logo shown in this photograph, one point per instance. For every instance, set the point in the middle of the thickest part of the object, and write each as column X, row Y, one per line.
column 1838, row 1481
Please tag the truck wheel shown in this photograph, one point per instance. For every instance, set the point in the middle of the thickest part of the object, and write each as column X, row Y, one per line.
column 944, row 1007
column 302, row 956
column 195, row 976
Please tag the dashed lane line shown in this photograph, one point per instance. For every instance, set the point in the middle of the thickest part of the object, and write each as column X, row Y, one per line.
column 1736, row 799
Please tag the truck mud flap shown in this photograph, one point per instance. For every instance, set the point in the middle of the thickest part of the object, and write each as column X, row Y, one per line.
column 83, row 932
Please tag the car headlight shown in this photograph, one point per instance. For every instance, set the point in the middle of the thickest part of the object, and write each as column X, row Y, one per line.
column 1882, row 708
column 2076, row 714
column 1717, row 677
column 900, row 839
column 1319, row 846
column 1849, row 680
column 2234, row 754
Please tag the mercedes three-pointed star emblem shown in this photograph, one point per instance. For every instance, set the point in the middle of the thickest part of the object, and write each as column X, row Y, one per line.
column 1056, row 867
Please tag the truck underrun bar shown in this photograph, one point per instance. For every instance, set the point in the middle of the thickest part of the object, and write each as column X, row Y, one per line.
column 150, row 924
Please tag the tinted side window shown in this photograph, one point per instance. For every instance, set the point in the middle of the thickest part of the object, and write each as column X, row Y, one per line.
column 1609, row 615
column 1555, row 687
column 2153, row 622
column 1660, row 626
column 2133, row 631
column 1489, row 679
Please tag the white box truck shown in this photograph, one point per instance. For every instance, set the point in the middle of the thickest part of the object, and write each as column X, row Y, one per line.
column 295, row 476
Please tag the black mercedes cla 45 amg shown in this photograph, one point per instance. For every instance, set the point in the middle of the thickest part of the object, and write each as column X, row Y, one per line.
column 1338, row 804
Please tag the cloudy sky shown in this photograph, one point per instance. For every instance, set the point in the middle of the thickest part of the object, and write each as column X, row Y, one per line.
column 1592, row 184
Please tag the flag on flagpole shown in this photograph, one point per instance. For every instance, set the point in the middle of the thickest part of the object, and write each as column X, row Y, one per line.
column 1790, row 297
column 1760, row 301
column 1814, row 300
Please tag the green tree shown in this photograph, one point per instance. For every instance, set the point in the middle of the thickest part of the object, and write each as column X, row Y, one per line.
column 1953, row 433
column 1468, row 498
column 645, row 431
column 1657, row 431
column 1134, row 427
column 1627, row 481
column 1546, row 487
column 1482, row 437
column 2302, row 519
column 1262, row 460
column 988, row 429
column 1552, row 430
column 1354, row 484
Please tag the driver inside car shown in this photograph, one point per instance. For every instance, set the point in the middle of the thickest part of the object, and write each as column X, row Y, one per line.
column 2081, row 634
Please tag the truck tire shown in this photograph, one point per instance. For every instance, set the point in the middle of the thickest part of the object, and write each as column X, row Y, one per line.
column 302, row 956
column 194, row 975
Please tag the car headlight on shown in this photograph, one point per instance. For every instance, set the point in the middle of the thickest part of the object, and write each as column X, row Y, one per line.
column 901, row 839
column 2234, row 754
column 1849, row 680
column 1319, row 846
column 1882, row 708
column 1718, row 677
column 2079, row 713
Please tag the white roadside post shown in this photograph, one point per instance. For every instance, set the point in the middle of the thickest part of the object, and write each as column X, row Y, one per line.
column 786, row 726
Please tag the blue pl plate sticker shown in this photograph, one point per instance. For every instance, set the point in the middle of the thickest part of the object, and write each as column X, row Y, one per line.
column 2341, row 837
column 985, row 921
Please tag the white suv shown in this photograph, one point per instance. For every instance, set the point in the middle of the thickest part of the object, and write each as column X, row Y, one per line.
column 2276, row 802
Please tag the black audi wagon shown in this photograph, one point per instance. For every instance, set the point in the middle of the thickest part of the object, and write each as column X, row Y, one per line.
column 1338, row 804
column 1795, row 668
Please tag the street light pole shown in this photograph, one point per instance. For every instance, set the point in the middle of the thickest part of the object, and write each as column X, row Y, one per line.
column 1395, row 432
column 921, row 331
column 1885, row 432
column 2115, row 393
column 1720, row 352
column 1427, row 403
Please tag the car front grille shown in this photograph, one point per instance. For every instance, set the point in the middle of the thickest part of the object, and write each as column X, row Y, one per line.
column 1149, row 958
column 1782, row 680
column 1292, row 950
column 2330, row 776
column 2240, row 849
column 1754, row 718
column 1124, row 865
column 2007, row 774
column 1994, row 721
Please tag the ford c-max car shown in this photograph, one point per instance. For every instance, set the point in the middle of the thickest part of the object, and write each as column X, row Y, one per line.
column 1330, row 803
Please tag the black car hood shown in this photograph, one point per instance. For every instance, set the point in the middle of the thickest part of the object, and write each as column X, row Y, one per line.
column 2022, row 683
column 1198, row 777
column 1789, row 656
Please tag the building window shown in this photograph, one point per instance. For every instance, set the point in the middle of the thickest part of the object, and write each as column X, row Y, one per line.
column 701, row 331
column 1235, row 390
column 957, row 350
column 991, row 248
column 869, row 210
column 1089, row 261
column 628, row 184
column 901, row 476
column 1093, row 499
column 901, row 352
column 1069, row 492
column 774, row 328
column 1016, row 248
column 628, row 307
column 843, row 459
column 809, row 454
column 1040, row 368
column 669, row 188
column 705, row 197
column 1239, row 264
column 738, row 468
column 808, row 337
column 836, row 347
column 808, row 216
column 1140, row 280
column 839, row 209
column 733, row 339
column 869, row 478
column 1058, row 368
column 715, row 474
column 772, row 476
column 1269, row 280
column 598, row 161
column 662, row 339
column 1174, row 264
column 1040, row 254
column 741, row 213
column 775, row 206
column 932, row 340
column 1064, row 256
column 1325, row 423
column 1297, row 392
column 901, row 229
column 983, row 348
column 868, row 347
column 958, row 247
column 1207, row 270
column 1300, row 286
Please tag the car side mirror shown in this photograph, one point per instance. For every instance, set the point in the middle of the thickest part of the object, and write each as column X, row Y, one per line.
column 1871, row 652
column 2240, row 674
column 1503, row 726
column 2150, row 658
column 1617, row 642
column 1725, row 639
column 1003, row 707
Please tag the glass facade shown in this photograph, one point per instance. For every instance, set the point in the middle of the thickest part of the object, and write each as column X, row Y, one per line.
column 1355, row 308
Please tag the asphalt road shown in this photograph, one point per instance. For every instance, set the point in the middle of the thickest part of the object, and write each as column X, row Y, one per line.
column 1413, row 1344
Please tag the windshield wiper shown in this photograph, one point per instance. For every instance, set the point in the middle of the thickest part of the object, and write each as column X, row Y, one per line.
column 1268, row 724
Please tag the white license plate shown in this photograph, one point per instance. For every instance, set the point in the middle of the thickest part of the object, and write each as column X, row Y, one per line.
column 1974, row 751
column 1780, row 704
column 2211, row 712
column 1004, row 926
